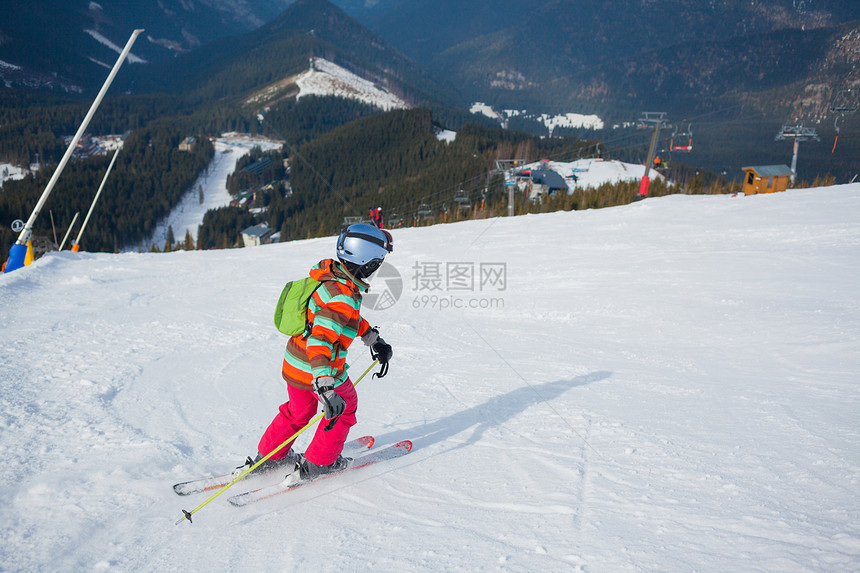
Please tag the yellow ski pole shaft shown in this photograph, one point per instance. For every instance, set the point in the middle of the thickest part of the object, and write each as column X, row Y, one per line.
column 187, row 514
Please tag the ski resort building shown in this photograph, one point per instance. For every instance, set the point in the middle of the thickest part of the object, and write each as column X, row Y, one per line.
column 188, row 144
column 257, row 235
column 766, row 179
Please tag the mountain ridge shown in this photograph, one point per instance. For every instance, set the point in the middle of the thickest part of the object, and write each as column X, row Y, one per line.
column 762, row 65
column 571, row 41
column 72, row 57
column 237, row 66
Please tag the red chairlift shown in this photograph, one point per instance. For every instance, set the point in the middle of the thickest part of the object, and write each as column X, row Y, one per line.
column 682, row 141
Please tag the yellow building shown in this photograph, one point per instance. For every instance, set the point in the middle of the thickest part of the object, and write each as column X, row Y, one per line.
column 766, row 179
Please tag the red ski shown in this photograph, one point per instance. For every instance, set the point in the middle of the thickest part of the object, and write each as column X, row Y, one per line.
column 203, row 485
column 291, row 483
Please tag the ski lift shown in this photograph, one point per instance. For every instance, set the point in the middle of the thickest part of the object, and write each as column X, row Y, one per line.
column 797, row 132
column 842, row 104
column 395, row 221
column 425, row 213
column 461, row 198
column 683, row 140
column 651, row 118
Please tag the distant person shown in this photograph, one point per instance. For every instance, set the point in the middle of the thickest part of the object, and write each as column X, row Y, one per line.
column 315, row 367
column 376, row 217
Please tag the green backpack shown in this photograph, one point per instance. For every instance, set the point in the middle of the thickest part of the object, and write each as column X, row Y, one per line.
column 291, row 314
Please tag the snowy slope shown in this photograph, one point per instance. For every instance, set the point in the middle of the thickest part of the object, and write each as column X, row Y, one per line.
column 328, row 79
column 593, row 172
column 575, row 120
column 188, row 215
column 665, row 386
column 9, row 171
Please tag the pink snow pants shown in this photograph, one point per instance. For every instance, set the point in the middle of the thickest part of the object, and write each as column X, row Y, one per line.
column 292, row 416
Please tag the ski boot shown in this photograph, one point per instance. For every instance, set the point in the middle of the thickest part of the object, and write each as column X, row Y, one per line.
column 307, row 470
column 269, row 465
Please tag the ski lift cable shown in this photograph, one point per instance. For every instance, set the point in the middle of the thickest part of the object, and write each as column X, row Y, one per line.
column 431, row 198
column 608, row 146
column 446, row 191
column 346, row 202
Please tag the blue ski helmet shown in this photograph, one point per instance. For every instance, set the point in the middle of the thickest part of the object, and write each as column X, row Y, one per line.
column 362, row 248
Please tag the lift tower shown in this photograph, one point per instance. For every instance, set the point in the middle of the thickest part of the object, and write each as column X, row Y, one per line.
column 798, row 133
column 658, row 120
column 508, row 167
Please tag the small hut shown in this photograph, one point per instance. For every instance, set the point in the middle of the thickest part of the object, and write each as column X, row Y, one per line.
column 188, row 144
column 257, row 235
column 766, row 179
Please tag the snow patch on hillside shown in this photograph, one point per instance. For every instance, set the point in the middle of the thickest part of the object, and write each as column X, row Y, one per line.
column 328, row 79
column 593, row 172
column 9, row 171
column 486, row 110
column 591, row 121
column 446, row 135
column 551, row 122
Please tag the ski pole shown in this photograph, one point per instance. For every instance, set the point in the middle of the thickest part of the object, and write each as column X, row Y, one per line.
column 187, row 514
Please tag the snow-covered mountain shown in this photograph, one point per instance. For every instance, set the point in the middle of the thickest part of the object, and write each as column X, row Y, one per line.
column 326, row 78
column 665, row 386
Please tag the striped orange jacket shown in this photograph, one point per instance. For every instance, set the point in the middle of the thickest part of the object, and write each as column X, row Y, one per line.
column 334, row 309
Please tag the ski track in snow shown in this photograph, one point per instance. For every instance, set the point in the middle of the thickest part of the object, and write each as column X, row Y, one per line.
column 188, row 215
column 669, row 386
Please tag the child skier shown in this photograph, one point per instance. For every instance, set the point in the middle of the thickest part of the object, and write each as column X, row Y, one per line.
column 314, row 366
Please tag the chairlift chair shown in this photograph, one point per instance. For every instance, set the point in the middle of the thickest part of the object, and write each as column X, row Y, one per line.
column 682, row 141
column 424, row 212
column 461, row 198
column 842, row 104
column 395, row 221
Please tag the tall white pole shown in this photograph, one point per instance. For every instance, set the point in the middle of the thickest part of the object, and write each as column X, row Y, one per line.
column 75, row 218
column 96, row 198
column 28, row 227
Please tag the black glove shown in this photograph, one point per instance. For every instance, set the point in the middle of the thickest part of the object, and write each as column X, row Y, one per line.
column 379, row 350
column 333, row 403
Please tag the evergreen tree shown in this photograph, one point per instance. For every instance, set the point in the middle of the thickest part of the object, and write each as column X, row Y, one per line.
column 171, row 239
column 188, row 244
